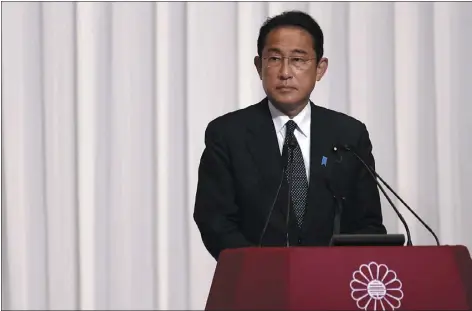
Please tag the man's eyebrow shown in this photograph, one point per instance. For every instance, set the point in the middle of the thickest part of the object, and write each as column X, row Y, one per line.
column 298, row 51
column 273, row 50
column 295, row 51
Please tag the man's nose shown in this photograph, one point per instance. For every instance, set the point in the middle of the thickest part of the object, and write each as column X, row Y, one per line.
column 285, row 70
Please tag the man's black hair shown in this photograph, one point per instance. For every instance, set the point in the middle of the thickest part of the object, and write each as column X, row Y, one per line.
column 294, row 19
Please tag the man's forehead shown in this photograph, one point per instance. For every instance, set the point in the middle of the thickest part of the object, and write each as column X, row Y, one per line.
column 289, row 39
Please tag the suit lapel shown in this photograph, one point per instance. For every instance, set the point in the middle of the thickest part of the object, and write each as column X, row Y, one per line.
column 319, row 198
column 263, row 146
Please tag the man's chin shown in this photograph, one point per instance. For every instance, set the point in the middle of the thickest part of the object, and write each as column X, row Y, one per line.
column 288, row 101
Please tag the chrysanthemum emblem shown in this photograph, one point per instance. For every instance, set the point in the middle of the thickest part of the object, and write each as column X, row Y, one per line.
column 376, row 287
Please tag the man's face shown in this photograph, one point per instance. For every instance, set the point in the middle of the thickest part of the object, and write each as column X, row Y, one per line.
column 288, row 67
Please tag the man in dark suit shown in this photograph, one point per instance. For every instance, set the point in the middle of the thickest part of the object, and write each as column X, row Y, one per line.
column 280, row 150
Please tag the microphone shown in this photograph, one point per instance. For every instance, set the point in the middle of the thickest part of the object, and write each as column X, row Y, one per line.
column 374, row 175
column 292, row 144
column 284, row 160
column 347, row 148
column 338, row 210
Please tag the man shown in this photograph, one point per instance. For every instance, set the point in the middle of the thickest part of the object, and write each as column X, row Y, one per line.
column 258, row 158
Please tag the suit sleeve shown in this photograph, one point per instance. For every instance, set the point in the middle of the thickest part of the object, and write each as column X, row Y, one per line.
column 215, row 212
column 367, row 193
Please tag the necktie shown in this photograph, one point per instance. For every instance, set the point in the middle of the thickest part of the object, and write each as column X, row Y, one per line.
column 296, row 173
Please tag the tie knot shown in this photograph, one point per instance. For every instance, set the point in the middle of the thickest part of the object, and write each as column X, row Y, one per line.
column 291, row 126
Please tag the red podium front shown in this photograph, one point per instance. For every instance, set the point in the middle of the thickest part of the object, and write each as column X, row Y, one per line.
column 343, row 278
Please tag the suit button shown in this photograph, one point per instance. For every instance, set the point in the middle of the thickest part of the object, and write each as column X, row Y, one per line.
column 299, row 241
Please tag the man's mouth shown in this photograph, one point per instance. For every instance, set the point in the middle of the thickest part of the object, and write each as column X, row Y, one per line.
column 286, row 88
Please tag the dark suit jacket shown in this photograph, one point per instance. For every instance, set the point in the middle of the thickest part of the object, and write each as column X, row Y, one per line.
column 241, row 168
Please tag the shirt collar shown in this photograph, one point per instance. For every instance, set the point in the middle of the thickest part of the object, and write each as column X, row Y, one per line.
column 302, row 119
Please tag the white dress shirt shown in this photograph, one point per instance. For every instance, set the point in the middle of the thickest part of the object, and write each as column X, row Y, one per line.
column 302, row 132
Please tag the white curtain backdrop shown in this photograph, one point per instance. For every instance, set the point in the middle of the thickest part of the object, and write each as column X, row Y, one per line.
column 104, row 111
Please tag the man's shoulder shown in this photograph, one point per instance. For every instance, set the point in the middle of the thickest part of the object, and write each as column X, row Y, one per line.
column 339, row 119
column 236, row 119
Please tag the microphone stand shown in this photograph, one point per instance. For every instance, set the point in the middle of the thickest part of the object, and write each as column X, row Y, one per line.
column 409, row 243
column 272, row 208
column 284, row 171
column 337, row 215
column 409, row 208
column 338, row 209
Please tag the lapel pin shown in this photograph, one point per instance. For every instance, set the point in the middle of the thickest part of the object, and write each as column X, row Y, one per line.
column 324, row 160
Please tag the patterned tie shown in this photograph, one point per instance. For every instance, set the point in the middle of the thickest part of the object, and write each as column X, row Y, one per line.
column 296, row 173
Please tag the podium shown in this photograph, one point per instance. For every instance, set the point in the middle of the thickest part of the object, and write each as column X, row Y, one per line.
column 343, row 278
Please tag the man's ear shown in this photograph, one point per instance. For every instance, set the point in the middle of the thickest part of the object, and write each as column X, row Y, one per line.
column 258, row 64
column 321, row 68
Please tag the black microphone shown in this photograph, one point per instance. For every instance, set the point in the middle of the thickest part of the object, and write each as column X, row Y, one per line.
column 375, row 174
column 292, row 144
column 347, row 148
column 284, row 161
column 338, row 209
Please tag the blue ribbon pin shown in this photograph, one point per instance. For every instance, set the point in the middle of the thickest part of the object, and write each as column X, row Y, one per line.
column 324, row 160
